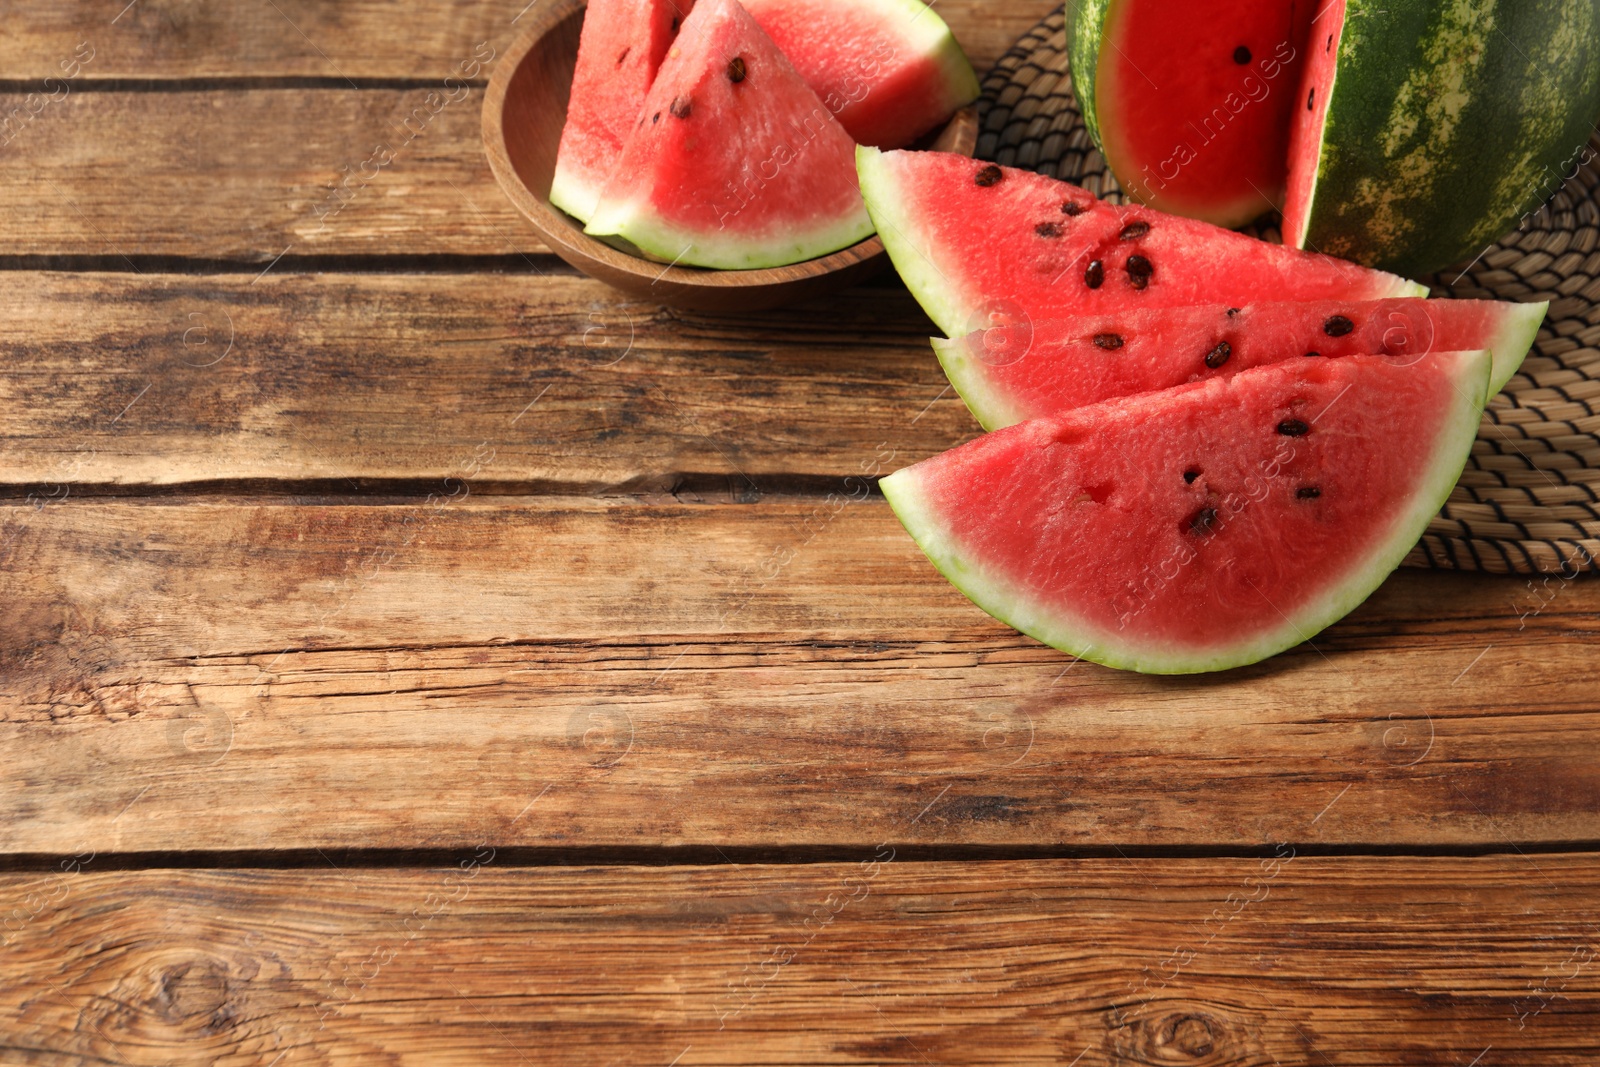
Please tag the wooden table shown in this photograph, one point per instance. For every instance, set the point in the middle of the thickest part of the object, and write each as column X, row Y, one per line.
column 412, row 653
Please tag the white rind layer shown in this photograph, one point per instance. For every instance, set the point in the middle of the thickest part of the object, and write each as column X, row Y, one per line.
column 661, row 240
column 572, row 195
column 930, row 285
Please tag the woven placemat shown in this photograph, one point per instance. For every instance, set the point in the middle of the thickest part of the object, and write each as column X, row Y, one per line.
column 1529, row 501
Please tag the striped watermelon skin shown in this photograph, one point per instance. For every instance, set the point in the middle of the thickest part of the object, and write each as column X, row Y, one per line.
column 1084, row 56
column 1446, row 122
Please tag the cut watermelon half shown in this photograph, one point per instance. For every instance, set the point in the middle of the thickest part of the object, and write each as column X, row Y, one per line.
column 1426, row 131
column 619, row 52
column 1191, row 103
column 1203, row 527
column 889, row 70
column 1010, row 374
column 733, row 162
column 981, row 245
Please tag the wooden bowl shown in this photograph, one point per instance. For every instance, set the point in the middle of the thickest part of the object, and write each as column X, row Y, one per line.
column 523, row 114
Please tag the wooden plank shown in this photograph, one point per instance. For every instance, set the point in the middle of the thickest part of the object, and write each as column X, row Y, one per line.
column 131, row 381
column 1288, row 959
column 167, row 39
column 578, row 673
column 249, row 174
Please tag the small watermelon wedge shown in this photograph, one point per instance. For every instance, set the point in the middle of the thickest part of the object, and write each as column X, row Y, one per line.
column 979, row 245
column 619, row 52
column 889, row 70
column 1191, row 103
column 1203, row 527
column 733, row 162
column 1010, row 374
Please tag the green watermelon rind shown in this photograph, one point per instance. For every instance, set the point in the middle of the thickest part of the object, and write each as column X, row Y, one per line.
column 1511, row 345
column 959, row 75
column 994, row 410
column 1083, row 53
column 670, row 244
column 938, row 44
column 942, row 48
column 928, row 284
column 998, row 596
column 1411, row 188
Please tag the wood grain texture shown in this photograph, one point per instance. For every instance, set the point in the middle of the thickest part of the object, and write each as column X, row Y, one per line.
column 246, row 173
column 505, row 568
column 641, row 673
column 1290, row 960
column 316, row 377
column 167, row 39
column 242, row 174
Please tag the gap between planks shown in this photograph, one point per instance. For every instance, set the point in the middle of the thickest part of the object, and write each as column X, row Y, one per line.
column 519, row 857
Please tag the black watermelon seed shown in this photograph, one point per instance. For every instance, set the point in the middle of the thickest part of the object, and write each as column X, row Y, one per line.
column 1219, row 355
column 736, row 69
column 680, row 108
column 1241, row 55
column 1048, row 229
column 1232, row 312
column 655, row 118
column 1095, row 276
column 1329, row 47
column 1309, row 492
column 674, row 24
column 1072, row 208
column 1313, row 355
column 1139, row 271
column 1189, row 476
column 1293, row 428
column 1202, row 521
column 1311, row 99
column 1134, row 230
column 1338, row 326
column 624, row 56
column 988, row 176
column 1108, row 341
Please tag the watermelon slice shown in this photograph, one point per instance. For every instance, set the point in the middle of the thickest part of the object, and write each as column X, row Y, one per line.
column 733, row 162
column 979, row 245
column 619, row 52
column 1191, row 103
column 1010, row 374
column 1206, row 526
column 889, row 70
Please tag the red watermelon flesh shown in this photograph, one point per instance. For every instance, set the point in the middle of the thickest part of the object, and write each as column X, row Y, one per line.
column 889, row 70
column 733, row 161
column 980, row 245
column 1013, row 373
column 1309, row 119
column 1194, row 101
column 619, row 52
column 1206, row 526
